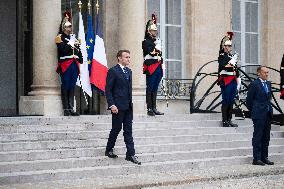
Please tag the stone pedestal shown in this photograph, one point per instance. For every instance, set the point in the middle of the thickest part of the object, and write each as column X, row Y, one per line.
column 131, row 34
column 44, row 99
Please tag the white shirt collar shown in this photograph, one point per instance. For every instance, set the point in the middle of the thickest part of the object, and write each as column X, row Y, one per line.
column 121, row 66
column 262, row 80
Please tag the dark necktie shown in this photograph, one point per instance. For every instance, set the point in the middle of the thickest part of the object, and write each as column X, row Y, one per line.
column 265, row 86
column 126, row 74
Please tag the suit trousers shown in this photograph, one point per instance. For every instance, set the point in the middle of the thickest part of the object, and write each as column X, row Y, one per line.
column 261, row 137
column 124, row 117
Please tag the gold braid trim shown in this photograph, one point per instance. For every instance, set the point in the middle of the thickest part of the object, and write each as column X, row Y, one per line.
column 58, row 39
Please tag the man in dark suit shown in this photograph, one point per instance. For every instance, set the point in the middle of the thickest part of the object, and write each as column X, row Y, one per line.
column 258, row 103
column 119, row 99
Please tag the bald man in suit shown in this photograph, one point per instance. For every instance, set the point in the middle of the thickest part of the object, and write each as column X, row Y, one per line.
column 258, row 103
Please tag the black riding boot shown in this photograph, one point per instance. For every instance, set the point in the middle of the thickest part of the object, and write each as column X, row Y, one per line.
column 64, row 98
column 230, row 112
column 154, row 98
column 71, row 102
column 224, row 116
column 149, row 103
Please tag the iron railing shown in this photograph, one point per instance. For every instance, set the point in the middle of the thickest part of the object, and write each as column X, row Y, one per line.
column 175, row 89
column 205, row 95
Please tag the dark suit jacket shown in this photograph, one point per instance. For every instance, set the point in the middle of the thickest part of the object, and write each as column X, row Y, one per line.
column 258, row 102
column 118, row 88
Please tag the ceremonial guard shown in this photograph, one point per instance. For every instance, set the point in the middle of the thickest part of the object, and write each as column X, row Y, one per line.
column 152, row 66
column 227, row 80
column 69, row 59
column 282, row 79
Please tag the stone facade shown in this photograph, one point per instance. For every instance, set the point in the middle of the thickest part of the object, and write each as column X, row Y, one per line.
column 8, row 56
column 44, row 99
column 205, row 22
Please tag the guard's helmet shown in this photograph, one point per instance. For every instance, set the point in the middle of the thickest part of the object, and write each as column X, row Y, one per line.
column 227, row 38
column 66, row 21
column 151, row 24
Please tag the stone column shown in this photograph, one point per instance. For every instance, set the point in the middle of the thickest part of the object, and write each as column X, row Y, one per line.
column 44, row 99
column 132, row 19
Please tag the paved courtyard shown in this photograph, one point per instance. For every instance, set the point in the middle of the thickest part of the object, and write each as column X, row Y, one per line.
column 262, row 182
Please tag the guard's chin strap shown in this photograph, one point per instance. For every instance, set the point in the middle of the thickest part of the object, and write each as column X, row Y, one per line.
column 151, row 35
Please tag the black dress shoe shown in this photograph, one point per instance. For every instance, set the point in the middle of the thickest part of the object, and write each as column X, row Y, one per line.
column 157, row 112
column 232, row 124
column 132, row 159
column 72, row 113
column 110, row 154
column 258, row 162
column 266, row 161
column 67, row 113
column 150, row 112
column 225, row 124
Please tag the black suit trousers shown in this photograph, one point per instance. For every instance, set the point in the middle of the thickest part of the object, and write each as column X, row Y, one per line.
column 123, row 117
column 261, row 137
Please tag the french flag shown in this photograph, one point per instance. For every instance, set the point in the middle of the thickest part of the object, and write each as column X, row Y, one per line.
column 99, row 63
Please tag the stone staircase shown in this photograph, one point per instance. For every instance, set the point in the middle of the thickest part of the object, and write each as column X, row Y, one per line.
column 38, row 149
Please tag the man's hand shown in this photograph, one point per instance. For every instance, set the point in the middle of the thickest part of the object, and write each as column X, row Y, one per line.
column 114, row 109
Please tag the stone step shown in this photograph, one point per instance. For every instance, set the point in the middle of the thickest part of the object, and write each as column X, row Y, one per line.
column 43, row 120
column 193, row 178
column 61, row 153
column 150, row 132
column 34, row 149
column 96, row 142
column 70, row 126
column 125, row 169
column 52, row 164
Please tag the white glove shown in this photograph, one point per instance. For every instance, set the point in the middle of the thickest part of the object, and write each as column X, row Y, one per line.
column 158, row 45
column 73, row 37
column 72, row 40
column 234, row 59
column 239, row 82
column 164, row 69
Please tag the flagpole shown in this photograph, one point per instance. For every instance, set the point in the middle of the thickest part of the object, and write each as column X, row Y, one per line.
column 89, row 7
column 70, row 5
column 80, row 7
column 97, row 6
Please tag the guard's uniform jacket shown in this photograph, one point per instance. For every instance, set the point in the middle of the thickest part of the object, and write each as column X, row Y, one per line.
column 69, row 60
column 282, row 79
column 152, row 56
column 226, row 74
column 66, row 54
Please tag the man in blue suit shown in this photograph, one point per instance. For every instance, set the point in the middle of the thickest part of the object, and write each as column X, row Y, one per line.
column 119, row 99
column 258, row 103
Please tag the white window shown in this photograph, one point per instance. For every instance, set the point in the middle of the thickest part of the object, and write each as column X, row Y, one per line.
column 170, row 25
column 246, row 26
